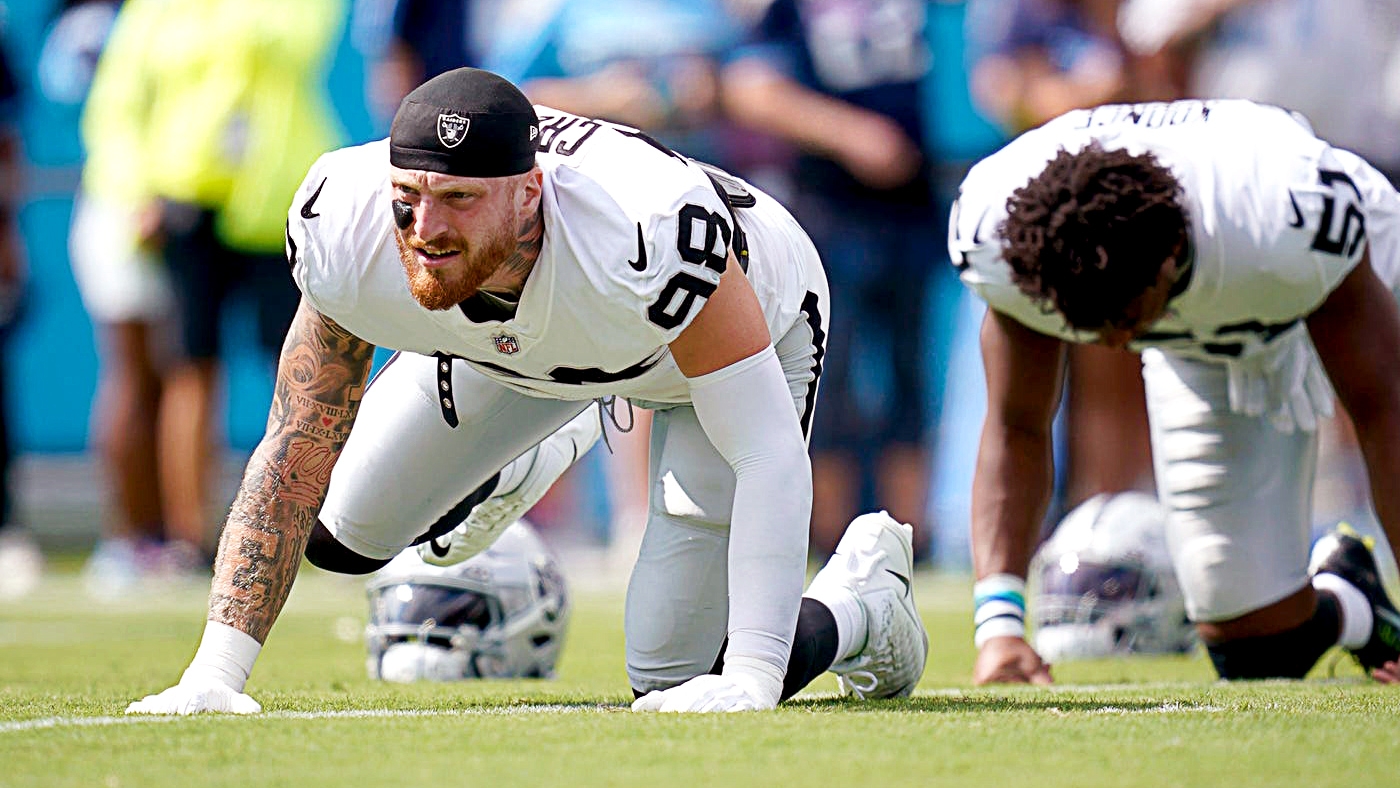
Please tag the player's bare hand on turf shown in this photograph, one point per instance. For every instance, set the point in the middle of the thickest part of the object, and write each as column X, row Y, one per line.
column 196, row 696
column 1009, row 660
column 1389, row 673
column 711, row 693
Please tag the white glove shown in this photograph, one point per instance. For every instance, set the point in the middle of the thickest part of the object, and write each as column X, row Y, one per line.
column 729, row 691
column 1303, row 391
column 214, row 680
column 1284, row 381
column 196, row 695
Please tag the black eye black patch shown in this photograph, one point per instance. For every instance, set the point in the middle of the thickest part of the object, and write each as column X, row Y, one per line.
column 403, row 214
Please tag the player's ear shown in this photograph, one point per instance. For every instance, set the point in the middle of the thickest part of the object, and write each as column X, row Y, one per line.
column 528, row 197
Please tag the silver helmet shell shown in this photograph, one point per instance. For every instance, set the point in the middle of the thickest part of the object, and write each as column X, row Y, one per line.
column 502, row 613
column 1103, row 583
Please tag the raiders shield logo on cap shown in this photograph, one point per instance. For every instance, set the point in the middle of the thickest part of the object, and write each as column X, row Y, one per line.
column 452, row 129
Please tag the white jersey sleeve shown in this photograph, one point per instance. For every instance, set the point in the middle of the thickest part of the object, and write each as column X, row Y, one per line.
column 658, row 259
column 656, row 225
column 336, row 225
column 693, row 240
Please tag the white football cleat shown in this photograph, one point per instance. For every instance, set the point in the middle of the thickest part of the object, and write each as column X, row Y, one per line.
column 875, row 560
column 522, row 484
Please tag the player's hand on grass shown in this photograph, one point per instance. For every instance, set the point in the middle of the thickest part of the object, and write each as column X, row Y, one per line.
column 1389, row 673
column 1009, row 660
column 725, row 692
column 196, row 695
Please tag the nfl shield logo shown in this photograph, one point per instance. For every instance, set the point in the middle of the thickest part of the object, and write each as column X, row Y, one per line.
column 452, row 129
column 506, row 344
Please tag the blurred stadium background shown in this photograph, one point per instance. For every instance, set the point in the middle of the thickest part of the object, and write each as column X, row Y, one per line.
column 59, row 496
column 53, row 364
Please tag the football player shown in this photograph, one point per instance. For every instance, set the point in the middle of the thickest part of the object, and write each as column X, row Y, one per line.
column 1250, row 262
column 525, row 262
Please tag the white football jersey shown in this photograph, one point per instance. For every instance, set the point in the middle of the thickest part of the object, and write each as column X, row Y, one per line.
column 1277, row 218
column 635, row 239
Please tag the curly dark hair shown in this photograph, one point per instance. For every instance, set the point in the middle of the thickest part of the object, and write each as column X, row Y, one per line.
column 1089, row 234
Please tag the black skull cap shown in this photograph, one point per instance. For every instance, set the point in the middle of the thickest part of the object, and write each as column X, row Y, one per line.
column 465, row 122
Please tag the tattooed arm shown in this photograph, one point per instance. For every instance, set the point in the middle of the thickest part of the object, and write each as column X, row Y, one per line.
column 320, row 380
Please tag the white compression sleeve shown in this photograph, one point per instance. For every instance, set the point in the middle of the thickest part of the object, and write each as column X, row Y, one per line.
column 748, row 413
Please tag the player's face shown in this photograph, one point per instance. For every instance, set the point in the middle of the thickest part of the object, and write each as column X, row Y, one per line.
column 1146, row 309
column 456, row 232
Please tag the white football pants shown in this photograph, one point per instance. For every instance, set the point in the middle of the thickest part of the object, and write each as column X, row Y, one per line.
column 403, row 468
column 1239, row 490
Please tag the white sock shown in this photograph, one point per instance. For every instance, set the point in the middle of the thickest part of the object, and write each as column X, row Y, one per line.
column 849, row 613
column 1356, row 609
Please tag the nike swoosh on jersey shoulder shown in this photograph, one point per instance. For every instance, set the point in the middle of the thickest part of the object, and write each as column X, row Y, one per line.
column 306, row 212
column 640, row 264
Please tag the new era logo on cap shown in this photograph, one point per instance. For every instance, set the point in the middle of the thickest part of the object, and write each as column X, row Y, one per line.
column 452, row 129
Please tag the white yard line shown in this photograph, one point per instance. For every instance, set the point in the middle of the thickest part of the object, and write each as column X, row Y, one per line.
column 17, row 726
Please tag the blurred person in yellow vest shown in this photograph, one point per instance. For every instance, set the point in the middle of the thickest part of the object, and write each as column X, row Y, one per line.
column 206, row 113
column 126, row 295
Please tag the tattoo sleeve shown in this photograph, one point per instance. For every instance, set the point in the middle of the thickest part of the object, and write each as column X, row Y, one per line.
column 320, row 381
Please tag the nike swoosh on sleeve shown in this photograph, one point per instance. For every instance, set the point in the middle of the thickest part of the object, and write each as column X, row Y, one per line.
column 977, row 230
column 640, row 264
column 306, row 212
column 1297, row 220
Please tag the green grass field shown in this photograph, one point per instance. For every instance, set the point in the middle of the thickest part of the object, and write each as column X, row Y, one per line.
column 68, row 667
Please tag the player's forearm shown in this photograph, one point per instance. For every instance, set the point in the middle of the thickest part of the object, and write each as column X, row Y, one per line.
column 759, row 97
column 747, row 411
column 1378, row 435
column 1010, row 491
column 320, row 381
column 1012, row 482
column 263, row 540
column 768, row 558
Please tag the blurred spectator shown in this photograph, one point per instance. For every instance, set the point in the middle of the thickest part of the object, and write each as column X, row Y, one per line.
column 587, row 57
column 1033, row 61
column 214, row 109
column 1037, row 59
column 71, row 48
column 841, row 80
column 1335, row 61
column 960, row 134
column 410, row 41
column 21, row 563
column 127, row 295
